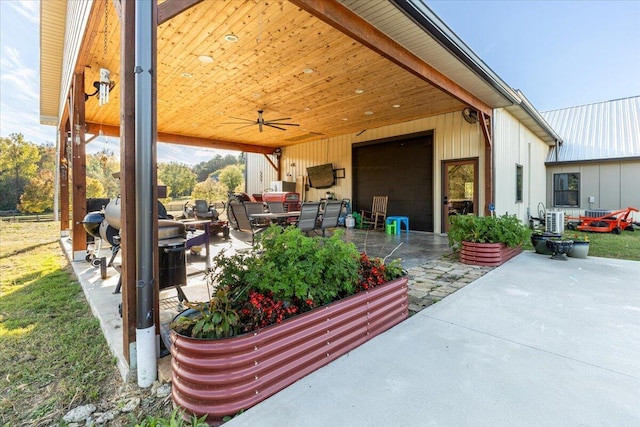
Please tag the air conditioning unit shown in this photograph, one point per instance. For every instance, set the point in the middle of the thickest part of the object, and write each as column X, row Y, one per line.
column 554, row 222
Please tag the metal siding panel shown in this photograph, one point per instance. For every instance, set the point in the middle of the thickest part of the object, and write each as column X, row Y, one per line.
column 610, row 186
column 630, row 195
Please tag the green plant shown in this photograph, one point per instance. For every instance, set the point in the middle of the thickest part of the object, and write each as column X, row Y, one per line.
column 214, row 319
column 507, row 229
column 285, row 274
column 175, row 419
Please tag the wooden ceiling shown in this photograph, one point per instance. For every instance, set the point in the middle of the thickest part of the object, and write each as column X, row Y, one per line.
column 263, row 70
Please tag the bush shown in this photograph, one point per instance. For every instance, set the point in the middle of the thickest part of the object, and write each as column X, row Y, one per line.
column 507, row 229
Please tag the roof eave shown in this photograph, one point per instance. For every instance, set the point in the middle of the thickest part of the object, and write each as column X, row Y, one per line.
column 432, row 24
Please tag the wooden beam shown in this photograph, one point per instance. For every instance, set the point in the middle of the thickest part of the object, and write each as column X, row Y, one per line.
column 190, row 141
column 127, row 175
column 346, row 21
column 79, row 166
column 485, row 125
column 64, row 179
column 171, row 8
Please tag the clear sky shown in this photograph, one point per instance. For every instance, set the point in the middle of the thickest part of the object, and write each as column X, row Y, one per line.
column 558, row 53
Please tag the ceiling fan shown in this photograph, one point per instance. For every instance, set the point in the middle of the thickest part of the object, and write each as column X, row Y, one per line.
column 275, row 123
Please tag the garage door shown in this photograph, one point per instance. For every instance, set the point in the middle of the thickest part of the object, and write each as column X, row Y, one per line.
column 401, row 169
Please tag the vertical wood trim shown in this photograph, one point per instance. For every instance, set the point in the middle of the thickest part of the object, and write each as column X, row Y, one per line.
column 154, row 161
column 79, row 236
column 64, row 179
column 127, row 175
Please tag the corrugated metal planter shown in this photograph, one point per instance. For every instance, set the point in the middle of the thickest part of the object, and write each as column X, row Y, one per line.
column 223, row 376
column 487, row 254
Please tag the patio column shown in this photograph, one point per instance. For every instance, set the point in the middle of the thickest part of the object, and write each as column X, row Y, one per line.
column 79, row 235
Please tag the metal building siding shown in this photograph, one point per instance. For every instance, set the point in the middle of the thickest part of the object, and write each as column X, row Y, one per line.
column 605, row 130
column 515, row 144
column 612, row 184
column 260, row 173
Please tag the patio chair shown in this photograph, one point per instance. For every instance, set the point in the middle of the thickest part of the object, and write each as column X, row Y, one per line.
column 377, row 215
column 330, row 216
column 256, row 208
column 308, row 216
column 275, row 207
column 244, row 224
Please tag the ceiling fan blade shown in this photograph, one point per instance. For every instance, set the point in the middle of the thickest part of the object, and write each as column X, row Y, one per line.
column 277, row 120
column 271, row 122
column 274, row 126
column 244, row 120
column 238, row 123
column 246, row 126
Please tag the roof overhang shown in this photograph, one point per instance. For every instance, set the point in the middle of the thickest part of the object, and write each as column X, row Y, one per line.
column 266, row 69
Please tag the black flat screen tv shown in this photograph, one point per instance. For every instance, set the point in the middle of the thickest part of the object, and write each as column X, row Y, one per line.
column 321, row 176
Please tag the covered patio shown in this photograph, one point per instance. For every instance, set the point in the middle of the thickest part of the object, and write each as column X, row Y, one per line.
column 327, row 75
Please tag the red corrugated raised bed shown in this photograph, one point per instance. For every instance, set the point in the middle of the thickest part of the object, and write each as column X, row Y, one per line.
column 487, row 254
column 223, row 376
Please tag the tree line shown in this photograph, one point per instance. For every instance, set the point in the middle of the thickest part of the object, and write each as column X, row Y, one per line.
column 27, row 176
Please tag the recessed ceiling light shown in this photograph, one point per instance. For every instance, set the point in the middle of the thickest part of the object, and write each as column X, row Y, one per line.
column 232, row 38
column 344, row 119
column 396, row 105
column 308, row 70
column 307, row 109
column 205, row 59
column 256, row 95
column 368, row 113
column 359, row 90
column 187, row 75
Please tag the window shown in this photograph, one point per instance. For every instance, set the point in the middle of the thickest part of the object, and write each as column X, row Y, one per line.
column 566, row 189
column 518, row 183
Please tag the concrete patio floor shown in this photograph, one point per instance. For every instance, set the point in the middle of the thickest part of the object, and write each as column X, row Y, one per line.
column 535, row 342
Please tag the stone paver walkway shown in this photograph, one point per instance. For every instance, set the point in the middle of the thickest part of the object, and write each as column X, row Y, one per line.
column 436, row 279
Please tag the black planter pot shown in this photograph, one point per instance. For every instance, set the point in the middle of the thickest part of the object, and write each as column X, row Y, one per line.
column 539, row 242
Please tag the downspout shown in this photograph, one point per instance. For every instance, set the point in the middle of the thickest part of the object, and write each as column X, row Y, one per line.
column 144, row 76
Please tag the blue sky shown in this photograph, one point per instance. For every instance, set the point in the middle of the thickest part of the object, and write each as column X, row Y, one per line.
column 559, row 53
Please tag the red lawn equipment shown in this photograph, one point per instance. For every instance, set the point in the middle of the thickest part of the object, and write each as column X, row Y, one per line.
column 612, row 222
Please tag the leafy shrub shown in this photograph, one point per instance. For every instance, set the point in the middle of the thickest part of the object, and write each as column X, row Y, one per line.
column 285, row 274
column 507, row 229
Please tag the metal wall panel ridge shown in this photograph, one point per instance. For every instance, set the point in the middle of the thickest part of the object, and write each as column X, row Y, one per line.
column 222, row 377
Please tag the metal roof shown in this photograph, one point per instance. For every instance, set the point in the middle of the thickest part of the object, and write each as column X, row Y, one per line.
column 601, row 131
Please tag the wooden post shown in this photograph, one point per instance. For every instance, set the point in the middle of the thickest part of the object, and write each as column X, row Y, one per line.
column 64, row 167
column 79, row 235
